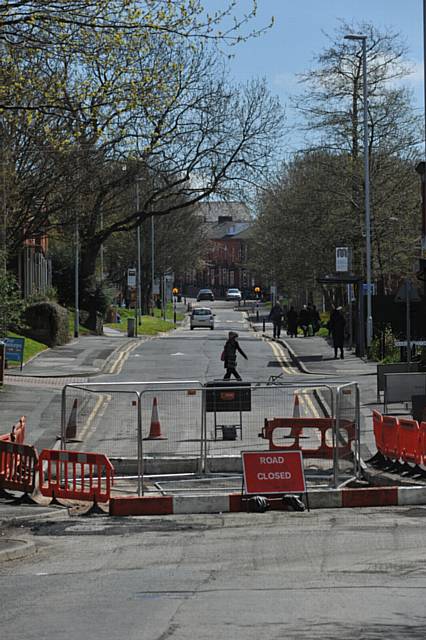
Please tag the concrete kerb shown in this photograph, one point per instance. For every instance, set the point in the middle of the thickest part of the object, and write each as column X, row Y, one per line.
column 226, row 503
column 14, row 549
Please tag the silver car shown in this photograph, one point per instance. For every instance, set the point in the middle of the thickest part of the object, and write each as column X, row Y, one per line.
column 202, row 317
column 233, row 294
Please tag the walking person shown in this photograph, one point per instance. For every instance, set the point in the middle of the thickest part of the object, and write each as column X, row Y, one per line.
column 337, row 328
column 292, row 322
column 229, row 356
column 316, row 320
column 276, row 317
column 304, row 320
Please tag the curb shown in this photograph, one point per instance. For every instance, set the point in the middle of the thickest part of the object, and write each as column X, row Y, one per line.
column 232, row 503
column 15, row 549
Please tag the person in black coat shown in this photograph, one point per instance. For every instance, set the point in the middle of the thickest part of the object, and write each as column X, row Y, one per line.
column 292, row 322
column 337, row 328
column 304, row 320
column 230, row 356
column 276, row 317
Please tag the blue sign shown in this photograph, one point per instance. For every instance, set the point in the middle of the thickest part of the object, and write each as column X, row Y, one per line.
column 14, row 348
column 372, row 289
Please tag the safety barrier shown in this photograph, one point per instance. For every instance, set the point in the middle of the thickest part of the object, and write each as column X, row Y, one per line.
column 18, row 465
column 72, row 475
column 297, row 426
column 17, row 433
column 400, row 439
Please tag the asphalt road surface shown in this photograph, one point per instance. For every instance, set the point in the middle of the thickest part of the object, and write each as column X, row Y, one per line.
column 329, row 575
column 108, row 417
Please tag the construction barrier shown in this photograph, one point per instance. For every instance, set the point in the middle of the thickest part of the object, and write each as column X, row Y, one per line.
column 390, row 437
column 17, row 433
column 72, row 475
column 18, row 464
column 400, row 439
column 409, row 441
column 296, row 426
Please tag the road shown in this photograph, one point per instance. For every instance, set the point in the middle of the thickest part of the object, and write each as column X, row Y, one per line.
column 329, row 575
column 108, row 417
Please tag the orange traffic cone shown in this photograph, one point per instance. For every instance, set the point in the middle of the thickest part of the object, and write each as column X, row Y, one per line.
column 296, row 431
column 155, row 428
column 296, row 406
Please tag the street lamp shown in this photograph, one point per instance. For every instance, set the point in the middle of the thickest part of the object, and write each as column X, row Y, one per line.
column 363, row 39
column 138, row 310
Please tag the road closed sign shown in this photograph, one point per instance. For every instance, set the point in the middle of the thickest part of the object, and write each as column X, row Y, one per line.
column 273, row 472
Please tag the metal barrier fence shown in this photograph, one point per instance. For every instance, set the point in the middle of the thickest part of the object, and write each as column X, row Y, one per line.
column 185, row 427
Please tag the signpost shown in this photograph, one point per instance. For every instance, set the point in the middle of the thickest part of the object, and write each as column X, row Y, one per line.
column 269, row 472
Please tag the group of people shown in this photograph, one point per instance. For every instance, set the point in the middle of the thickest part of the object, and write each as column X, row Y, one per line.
column 307, row 317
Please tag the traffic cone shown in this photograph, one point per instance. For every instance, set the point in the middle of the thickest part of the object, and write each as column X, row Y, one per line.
column 296, row 406
column 155, row 428
column 296, row 431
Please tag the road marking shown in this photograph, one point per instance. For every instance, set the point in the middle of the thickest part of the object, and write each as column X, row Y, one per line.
column 282, row 359
column 117, row 366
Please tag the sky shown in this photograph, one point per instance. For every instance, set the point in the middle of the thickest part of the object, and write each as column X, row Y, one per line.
column 299, row 34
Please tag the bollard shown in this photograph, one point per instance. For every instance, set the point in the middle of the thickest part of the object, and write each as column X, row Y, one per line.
column 263, row 322
column 174, row 318
column 257, row 315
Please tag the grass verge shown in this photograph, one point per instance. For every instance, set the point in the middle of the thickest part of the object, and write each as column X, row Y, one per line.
column 31, row 349
column 149, row 325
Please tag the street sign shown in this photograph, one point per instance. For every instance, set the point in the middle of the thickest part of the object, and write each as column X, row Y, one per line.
column 407, row 290
column 267, row 472
column 372, row 289
column 342, row 259
column 14, row 350
column 131, row 277
column 417, row 343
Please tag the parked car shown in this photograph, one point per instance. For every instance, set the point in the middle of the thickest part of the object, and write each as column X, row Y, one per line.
column 205, row 294
column 202, row 317
column 233, row 294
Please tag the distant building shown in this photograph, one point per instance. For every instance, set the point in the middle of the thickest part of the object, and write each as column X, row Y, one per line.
column 34, row 269
column 227, row 228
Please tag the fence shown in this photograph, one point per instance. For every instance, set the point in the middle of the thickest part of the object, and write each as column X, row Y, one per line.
column 186, row 427
column 400, row 439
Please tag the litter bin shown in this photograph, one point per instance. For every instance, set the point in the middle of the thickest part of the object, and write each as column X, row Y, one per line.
column 131, row 327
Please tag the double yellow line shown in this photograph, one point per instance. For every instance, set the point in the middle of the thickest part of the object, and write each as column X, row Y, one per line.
column 117, row 365
column 306, row 404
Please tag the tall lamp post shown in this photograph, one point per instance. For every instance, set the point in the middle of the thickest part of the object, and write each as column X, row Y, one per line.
column 363, row 39
column 138, row 309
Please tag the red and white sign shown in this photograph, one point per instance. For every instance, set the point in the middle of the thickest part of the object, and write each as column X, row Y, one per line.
column 273, row 472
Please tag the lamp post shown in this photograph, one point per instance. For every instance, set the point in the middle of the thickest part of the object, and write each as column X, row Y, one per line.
column 363, row 39
column 152, row 263
column 76, row 278
column 138, row 308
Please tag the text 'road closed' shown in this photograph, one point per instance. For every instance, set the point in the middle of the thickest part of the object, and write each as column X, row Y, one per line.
column 275, row 473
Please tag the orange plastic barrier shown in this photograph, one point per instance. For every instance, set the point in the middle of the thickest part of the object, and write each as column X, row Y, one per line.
column 18, row 431
column 422, row 442
column 18, row 464
column 296, row 426
column 378, row 430
column 409, row 441
column 73, row 475
column 390, row 437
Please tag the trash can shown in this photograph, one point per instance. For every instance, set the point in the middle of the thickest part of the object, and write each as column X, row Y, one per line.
column 131, row 327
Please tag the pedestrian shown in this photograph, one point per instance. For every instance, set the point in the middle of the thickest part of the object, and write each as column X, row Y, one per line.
column 316, row 320
column 276, row 317
column 292, row 322
column 337, row 328
column 304, row 320
column 229, row 356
